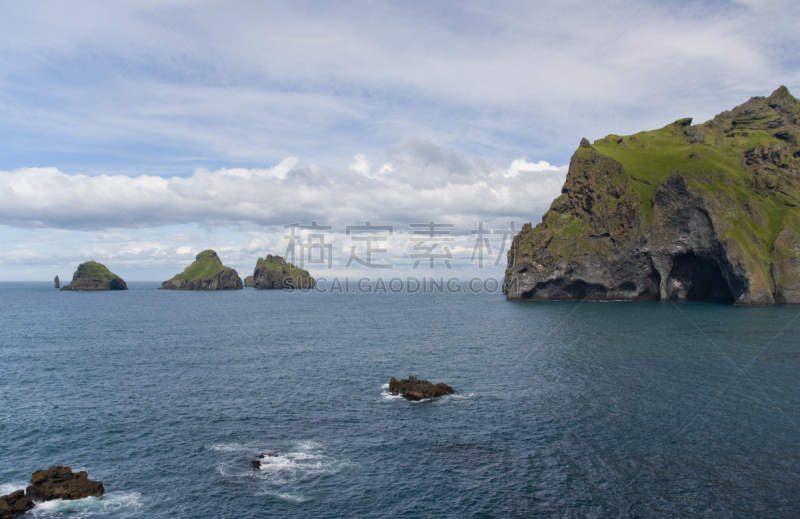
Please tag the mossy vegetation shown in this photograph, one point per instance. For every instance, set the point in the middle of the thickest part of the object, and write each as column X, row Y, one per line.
column 96, row 271
column 206, row 264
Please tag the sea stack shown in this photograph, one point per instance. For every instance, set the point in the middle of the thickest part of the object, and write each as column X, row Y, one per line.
column 58, row 283
column 273, row 272
column 206, row 273
column 94, row 276
column 706, row 212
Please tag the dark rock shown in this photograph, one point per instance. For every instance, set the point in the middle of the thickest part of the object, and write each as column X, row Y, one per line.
column 267, row 455
column 59, row 482
column 415, row 389
column 58, row 284
column 274, row 272
column 14, row 503
column 255, row 464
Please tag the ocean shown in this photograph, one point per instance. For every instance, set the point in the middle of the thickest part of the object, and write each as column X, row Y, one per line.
column 564, row 409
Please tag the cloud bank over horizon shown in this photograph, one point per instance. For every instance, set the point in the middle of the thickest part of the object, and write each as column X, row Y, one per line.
column 145, row 222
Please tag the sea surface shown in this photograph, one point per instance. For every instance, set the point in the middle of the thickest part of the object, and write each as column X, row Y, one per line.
column 565, row 409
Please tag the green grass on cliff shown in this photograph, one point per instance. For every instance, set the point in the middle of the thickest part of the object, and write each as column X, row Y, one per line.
column 649, row 158
column 714, row 166
column 95, row 270
column 207, row 265
column 277, row 264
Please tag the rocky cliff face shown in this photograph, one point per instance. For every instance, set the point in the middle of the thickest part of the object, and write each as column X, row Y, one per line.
column 275, row 273
column 94, row 276
column 206, row 273
column 703, row 213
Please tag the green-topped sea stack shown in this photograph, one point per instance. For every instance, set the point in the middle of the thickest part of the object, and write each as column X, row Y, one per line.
column 274, row 272
column 95, row 276
column 705, row 213
column 206, row 273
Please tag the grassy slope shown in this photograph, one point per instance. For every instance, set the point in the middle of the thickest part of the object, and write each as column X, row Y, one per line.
column 652, row 156
column 287, row 269
column 206, row 266
column 94, row 270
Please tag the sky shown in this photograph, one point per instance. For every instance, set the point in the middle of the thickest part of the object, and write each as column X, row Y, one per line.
column 139, row 133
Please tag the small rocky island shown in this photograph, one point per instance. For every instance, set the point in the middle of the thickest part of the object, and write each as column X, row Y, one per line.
column 57, row 482
column 707, row 212
column 415, row 389
column 94, row 276
column 276, row 273
column 206, row 273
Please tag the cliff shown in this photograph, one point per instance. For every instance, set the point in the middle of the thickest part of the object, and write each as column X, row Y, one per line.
column 95, row 276
column 274, row 272
column 206, row 273
column 703, row 212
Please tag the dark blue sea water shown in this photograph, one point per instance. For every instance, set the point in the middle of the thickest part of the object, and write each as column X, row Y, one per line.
column 567, row 409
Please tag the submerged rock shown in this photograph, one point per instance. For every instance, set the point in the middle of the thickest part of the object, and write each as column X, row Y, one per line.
column 255, row 464
column 94, row 276
column 206, row 273
column 274, row 272
column 701, row 213
column 415, row 389
column 14, row 503
column 59, row 482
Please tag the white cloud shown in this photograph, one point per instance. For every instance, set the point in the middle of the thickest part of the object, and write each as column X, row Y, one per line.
column 422, row 181
column 361, row 164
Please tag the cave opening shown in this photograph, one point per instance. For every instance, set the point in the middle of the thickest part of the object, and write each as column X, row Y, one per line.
column 698, row 278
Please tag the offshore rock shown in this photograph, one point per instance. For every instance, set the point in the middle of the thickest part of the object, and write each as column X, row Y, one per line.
column 415, row 389
column 206, row 273
column 248, row 281
column 59, row 482
column 14, row 503
column 699, row 213
column 273, row 272
column 94, row 276
column 57, row 282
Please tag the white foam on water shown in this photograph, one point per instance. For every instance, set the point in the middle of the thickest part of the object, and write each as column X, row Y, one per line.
column 294, row 498
column 7, row 488
column 227, row 447
column 388, row 396
column 128, row 503
column 306, row 446
column 281, row 474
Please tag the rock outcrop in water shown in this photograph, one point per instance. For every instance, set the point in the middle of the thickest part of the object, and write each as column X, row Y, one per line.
column 59, row 482
column 14, row 503
column 206, row 273
column 57, row 282
column 95, row 276
column 415, row 389
column 273, row 272
column 248, row 281
column 700, row 213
